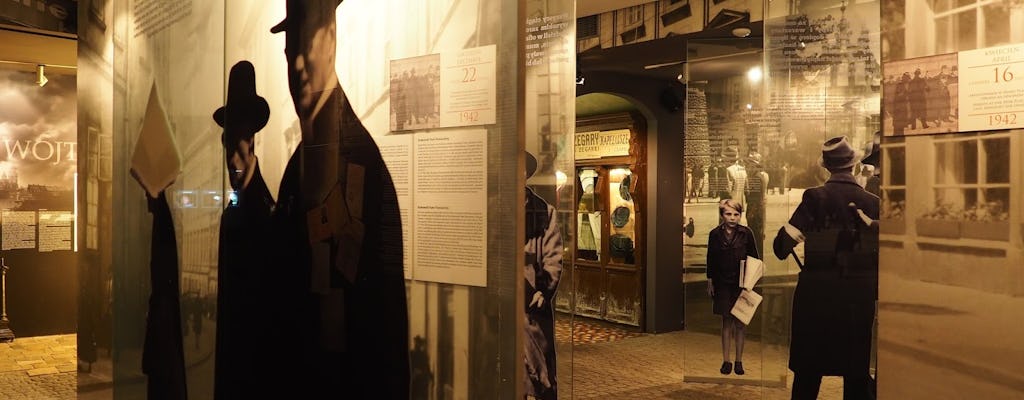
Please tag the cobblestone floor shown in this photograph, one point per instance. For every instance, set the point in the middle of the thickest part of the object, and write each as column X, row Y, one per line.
column 609, row 362
column 38, row 368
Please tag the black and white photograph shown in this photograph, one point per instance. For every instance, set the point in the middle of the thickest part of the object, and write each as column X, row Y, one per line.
column 415, row 93
column 920, row 96
column 825, row 45
column 39, row 154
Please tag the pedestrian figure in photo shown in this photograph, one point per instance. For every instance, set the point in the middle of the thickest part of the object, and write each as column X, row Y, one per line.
column 696, row 182
column 244, row 274
column 756, row 194
column 155, row 165
column 918, row 100
column 901, row 112
column 729, row 244
column 736, row 174
column 340, row 295
column 834, row 301
column 163, row 351
column 543, row 271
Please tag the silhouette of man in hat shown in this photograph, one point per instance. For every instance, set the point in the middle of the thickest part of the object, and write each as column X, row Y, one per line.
column 342, row 280
column 244, row 270
column 833, row 305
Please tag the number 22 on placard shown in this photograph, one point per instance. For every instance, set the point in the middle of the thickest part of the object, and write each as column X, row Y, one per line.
column 469, row 74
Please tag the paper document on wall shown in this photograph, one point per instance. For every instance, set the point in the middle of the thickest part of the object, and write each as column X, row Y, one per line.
column 752, row 270
column 156, row 161
column 746, row 305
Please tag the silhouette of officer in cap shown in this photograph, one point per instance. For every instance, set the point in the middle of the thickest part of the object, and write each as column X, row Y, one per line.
column 342, row 275
column 244, row 270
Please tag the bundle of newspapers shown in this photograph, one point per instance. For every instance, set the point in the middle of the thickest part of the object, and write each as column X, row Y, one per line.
column 751, row 271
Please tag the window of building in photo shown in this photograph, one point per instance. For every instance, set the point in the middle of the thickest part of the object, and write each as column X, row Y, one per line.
column 966, row 25
column 894, row 185
column 972, row 177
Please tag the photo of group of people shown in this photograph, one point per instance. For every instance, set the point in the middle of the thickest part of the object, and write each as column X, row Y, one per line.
column 416, row 93
column 920, row 96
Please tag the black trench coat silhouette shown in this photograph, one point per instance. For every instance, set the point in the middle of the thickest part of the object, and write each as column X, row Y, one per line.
column 834, row 302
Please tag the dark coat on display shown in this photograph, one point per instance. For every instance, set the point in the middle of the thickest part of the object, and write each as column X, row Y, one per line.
column 834, row 301
column 244, row 309
column 163, row 354
column 724, row 256
column 366, row 354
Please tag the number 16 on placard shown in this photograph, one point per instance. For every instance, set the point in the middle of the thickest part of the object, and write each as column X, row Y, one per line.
column 1005, row 75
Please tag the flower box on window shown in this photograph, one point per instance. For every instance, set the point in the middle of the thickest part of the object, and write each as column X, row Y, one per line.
column 985, row 230
column 896, row 226
column 939, row 228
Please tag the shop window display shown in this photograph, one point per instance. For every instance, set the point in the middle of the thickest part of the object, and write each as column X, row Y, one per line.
column 588, row 218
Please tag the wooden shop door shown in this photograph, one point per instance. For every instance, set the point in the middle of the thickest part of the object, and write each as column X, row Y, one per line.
column 608, row 267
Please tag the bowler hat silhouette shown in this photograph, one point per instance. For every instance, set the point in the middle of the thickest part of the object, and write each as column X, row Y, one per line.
column 837, row 153
column 243, row 106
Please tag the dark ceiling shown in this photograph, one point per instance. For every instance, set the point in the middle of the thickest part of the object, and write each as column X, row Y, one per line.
column 710, row 53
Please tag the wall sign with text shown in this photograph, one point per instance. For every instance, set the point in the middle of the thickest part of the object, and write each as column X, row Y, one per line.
column 591, row 145
column 992, row 88
column 973, row 90
column 444, row 90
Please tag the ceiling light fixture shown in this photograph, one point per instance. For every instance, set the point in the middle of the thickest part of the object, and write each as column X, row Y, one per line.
column 741, row 32
column 41, row 76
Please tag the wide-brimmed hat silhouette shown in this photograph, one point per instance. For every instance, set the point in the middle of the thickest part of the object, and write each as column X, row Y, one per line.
column 837, row 153
column 244, row 107
column 531, row 164
column 297, row 8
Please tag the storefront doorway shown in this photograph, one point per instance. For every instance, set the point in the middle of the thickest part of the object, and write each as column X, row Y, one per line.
column 608, row 250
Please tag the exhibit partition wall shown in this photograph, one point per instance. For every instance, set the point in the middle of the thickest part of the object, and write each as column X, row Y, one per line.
column 775, row 137
column 727, row 156
column 37, row 180
column 952, row 231
column 298, row 197
column 822, row 91
column 549, row 118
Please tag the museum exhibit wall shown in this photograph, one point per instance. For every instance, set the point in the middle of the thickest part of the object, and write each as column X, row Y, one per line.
column 950, row 279
column 445, row 95
column 38, row 169
column 37, row 180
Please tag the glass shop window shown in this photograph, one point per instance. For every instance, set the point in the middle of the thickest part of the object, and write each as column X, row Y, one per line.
column 623, row 221
column 588, row 217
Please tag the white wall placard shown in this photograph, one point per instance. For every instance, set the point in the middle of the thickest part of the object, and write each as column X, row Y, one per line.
column 991, row 94
column 449, row 216
column 468, row 87
column 19, row 229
